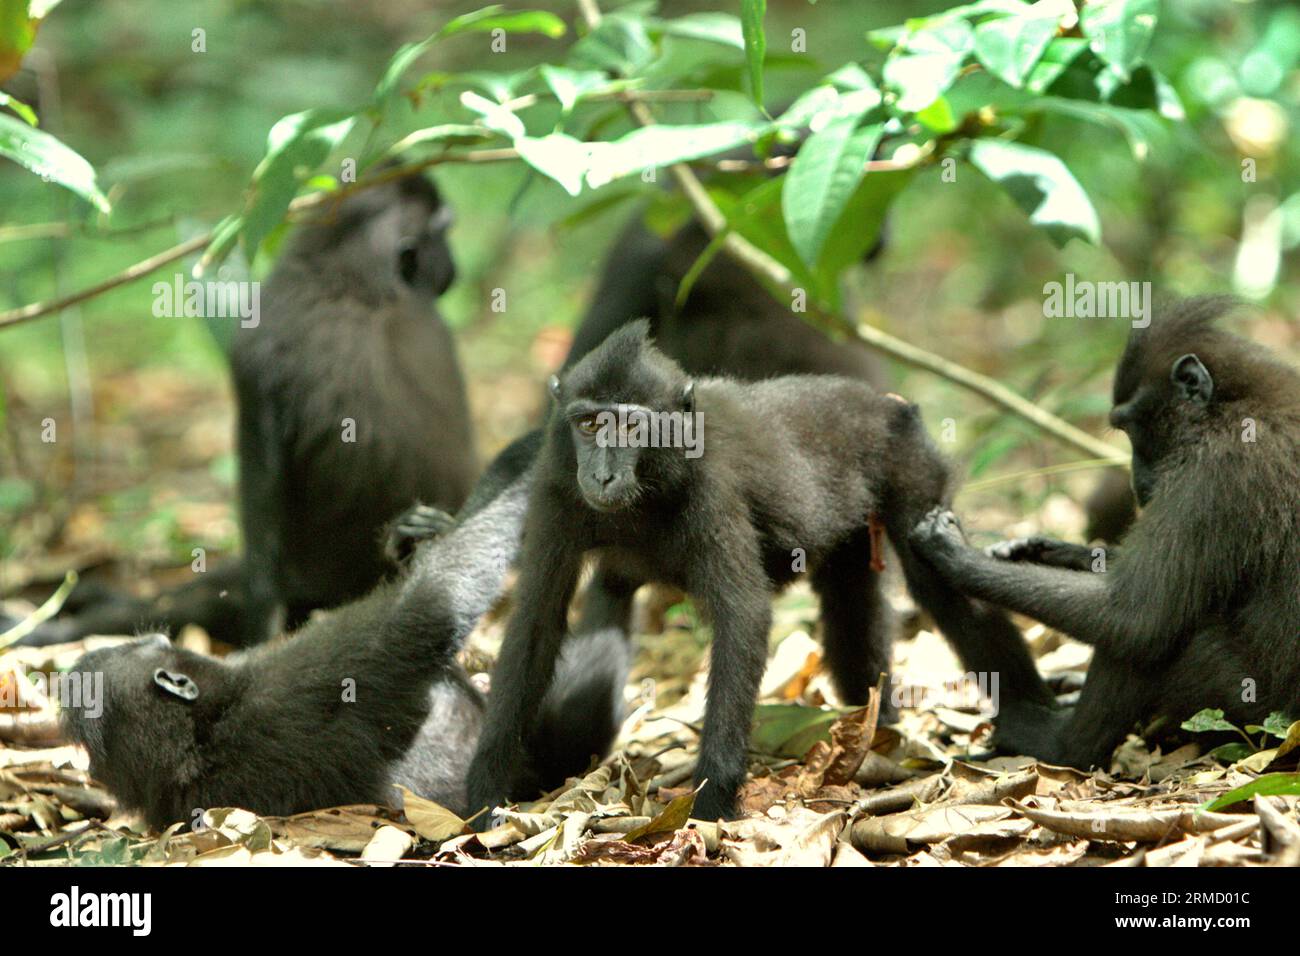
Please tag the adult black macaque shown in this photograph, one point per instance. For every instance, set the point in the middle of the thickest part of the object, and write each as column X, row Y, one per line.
column 351, row 402
column 351, row 408
column 362, row 697
column 1200, row 607
column 793, row 469
column 728, row 325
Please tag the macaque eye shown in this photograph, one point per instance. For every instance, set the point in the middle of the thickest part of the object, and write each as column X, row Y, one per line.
column 588, row 424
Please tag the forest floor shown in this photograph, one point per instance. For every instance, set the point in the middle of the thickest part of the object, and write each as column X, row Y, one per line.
column 830, row 786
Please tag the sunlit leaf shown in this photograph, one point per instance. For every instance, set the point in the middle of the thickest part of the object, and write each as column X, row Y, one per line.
column 295, row 148
column 557, row 156
column 50, row 159
column 569, row 86
column 1010, row 46
column 511, row 21
column 927, row 62
column 1119, row 31
column 1042, row 186
column 495, row 116
column 443, row 133
column 1058, row 56
column 18, row 106
column 657, row 146
column 823, row 105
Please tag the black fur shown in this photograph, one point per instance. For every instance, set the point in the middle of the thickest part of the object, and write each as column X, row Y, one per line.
column 729, row 324
column 272, row 729
column 791, row 463
column 1200, row 606
column 348, row 330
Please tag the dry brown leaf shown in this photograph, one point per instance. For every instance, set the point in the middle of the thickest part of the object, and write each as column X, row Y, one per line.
column 686, row 847
column 1127, row 825
column 431, row 820
column 1185, row 853
column 344, row 829
column 894, row 833
column 797, row 838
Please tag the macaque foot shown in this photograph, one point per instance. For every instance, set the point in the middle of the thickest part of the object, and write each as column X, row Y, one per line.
column 418, row 523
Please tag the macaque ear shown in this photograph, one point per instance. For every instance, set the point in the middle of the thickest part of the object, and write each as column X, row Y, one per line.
column 688, row 397
column 554, row 385
column 1192, row 380
column 179, row 685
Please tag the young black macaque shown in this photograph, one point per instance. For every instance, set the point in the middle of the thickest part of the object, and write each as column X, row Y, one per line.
column 1200, row 607
column 772, row 475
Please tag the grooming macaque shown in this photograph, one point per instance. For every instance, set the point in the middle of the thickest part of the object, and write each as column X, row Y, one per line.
column 363, row 697
column 351, row 408
column 775, row 477
column 1200, row 607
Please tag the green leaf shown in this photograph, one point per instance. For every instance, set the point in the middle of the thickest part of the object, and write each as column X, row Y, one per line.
column 557, row 156
column 723, row 28
column 619, row 44
column 663, row 145
column 569, row 86
column 496, row 17
column 859, row 226
column 489, row 18
column 1231, row 753
column 1058, row 56
column 1278, row 724
column 788, row 730
column 224, row 236
column 927, row 62
column 406, row 54
column 824, row 104
column 1209, row 720
column 1119, row 31
column 17, row 31
column 751, row 23
column 1269, row 785
column 824, row 174
column 442, row 133
column 1138, row 127
column 495, row 116
column 50, row 159
column 1042, row 186
column 19, row 107
column 1010, row 46
column 295, row 148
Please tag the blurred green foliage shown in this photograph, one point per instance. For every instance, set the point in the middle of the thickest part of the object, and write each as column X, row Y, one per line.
column 177, row 136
